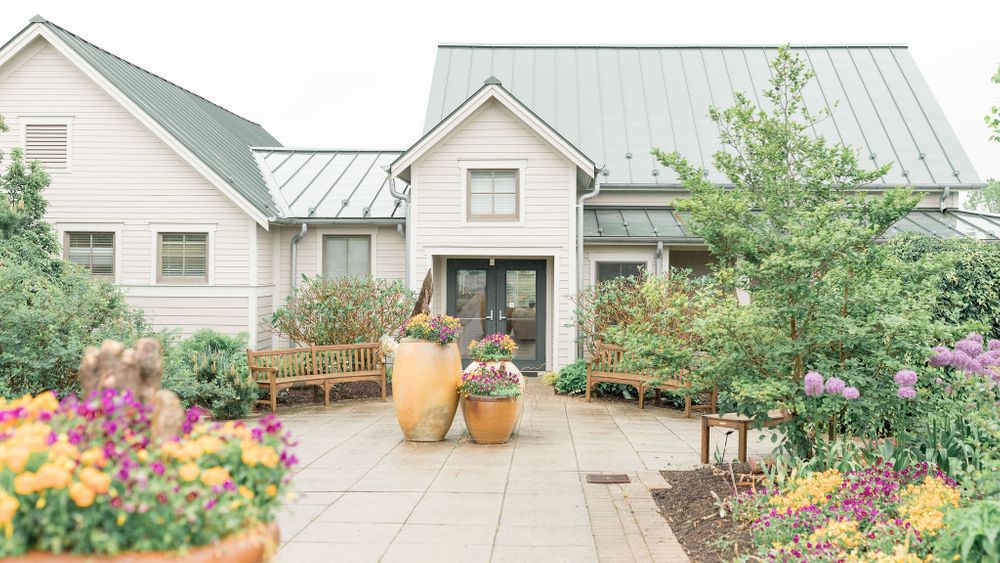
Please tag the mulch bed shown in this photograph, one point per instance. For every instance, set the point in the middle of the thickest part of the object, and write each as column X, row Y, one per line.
column 691, row 510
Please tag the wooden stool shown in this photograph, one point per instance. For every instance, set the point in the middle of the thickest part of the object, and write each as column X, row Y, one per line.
column 738, row 422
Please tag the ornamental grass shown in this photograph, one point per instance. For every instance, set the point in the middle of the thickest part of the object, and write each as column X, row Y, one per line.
column 84, row 476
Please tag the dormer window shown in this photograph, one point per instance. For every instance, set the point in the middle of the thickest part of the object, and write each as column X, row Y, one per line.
column 493, row 195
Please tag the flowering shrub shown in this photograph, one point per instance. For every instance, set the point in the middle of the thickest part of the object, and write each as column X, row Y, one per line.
column 84, row 476
column 439, row 328
column 872, row 514
column 492, row 347
column 488, row 381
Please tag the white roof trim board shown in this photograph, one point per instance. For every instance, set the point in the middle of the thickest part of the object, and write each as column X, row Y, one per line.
column 491, row 89
column 616, row 103
column 345, row 185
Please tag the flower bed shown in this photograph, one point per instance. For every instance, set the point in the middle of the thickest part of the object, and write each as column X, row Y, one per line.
column 84, row 477
column 872, row 514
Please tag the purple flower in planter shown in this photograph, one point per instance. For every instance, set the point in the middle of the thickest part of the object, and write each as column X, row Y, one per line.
column 813, row 384
column 906, row 393
column 835, row 386
column 850, row 393
column 906, row 378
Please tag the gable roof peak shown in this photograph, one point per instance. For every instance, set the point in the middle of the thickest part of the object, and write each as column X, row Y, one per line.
column 492, row 81
column 37, row 18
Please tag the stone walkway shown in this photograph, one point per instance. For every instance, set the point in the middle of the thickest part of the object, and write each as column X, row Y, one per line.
column 364, row 494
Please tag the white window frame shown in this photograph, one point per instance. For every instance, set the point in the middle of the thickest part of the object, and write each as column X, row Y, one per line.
column 347, row 231
column 371, row 263
column 617, row 254
column 519, row 166
column 23, row 120
column 117, row 228
column 155, row 229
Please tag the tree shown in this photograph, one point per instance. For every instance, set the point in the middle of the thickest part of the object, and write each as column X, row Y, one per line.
column 989, row 197
column 793, row 228
column 23, row 231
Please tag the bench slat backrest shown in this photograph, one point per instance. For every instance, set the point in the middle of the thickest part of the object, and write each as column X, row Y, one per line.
column 608, row 358
column 291, row 362
column 318, row 360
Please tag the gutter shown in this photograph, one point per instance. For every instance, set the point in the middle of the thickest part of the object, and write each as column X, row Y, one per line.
column 404, row 227
column 337, row 221
column 579, row 245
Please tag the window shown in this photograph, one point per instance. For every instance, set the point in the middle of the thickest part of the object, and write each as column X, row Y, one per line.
column 493, row 195
column 48, row 143
column 94, row 251
column 346, row 255
column 183, row 257
column 611, row 270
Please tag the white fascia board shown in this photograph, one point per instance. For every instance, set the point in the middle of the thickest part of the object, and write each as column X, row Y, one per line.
column 486, row 94
column 40, row 30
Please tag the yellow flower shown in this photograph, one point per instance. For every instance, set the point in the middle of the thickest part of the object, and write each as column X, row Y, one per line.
column 95, row 479
column 271, row 490
column 246, row 492
column 14, row 457
column 809, row 490
column 142, row 455
column 189, row 471
column 251, row 453
column 209, row 444
column 25, row 483
column 93, row 456
column 839, row 532
column 8, row 507
column 171, row 449
column 924, row 504
column 120, row 520
column 215, row 476
column 51, row 476
column 82, row 495
column 269, row 457
column 63, row 449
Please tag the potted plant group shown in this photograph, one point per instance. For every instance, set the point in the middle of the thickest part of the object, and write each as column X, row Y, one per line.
column 86, row 480
column 427, row 367
column 489, row 403
column 496, row 350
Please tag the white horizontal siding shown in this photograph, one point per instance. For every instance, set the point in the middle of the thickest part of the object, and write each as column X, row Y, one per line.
column 548, row 229
column 121, row 175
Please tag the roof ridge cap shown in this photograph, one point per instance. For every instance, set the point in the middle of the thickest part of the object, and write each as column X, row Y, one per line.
column 137, row 67
column 674, row 46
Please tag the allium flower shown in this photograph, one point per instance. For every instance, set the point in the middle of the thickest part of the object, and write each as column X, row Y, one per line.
column 851, row 393
column 906, row 393
column 835, row 386
column 970, row 347
column 813, row 384
column 993, row 345
column 906, row 378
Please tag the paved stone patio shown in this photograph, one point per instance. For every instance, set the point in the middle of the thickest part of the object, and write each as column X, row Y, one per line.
column 364, row 494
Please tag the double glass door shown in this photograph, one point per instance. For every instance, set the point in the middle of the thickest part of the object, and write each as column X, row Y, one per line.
column 501, row 296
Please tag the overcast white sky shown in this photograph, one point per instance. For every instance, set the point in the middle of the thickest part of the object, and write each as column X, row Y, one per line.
column 356, row 74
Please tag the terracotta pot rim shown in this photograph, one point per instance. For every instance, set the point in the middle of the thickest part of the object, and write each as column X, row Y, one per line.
column 411, row 339
column 501, row 360
column 489, row 398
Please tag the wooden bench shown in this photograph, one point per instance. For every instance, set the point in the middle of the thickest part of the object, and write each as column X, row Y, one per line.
column 738, row 422
column 322, row 366
column 608, row 366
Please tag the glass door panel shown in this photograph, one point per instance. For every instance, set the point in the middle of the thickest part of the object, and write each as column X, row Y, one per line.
column 470, row 297
column 521, row 307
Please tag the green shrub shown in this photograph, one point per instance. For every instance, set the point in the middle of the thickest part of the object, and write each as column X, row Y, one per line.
column 209, row 369
column 572, row 380
column 970, row 286
column 346, row 310
column 971, row 534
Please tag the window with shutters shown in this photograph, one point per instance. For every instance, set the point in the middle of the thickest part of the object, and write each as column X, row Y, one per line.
column 493, row 195
column 183, row 258
column 94, row 251
column 48, row 143
column 346, row 255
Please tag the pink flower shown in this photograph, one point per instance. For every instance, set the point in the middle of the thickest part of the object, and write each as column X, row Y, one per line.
column 906, row 393
column 813, row 384
column 850, row 393
column 835, row 385
column 906, row 378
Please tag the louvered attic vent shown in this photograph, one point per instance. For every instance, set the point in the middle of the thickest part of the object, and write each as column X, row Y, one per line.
column 48, row 143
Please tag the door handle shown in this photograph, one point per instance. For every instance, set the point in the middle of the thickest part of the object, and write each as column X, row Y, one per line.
column 502, row 318
column 490, row 316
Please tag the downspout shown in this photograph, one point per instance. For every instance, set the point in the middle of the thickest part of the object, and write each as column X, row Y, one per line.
column 295, row 256
column 944, row 198
column 658, row 267
column 402, row 229
column 579, row 246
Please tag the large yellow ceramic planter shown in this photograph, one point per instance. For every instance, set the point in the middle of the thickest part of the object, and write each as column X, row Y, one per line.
column 425, row 377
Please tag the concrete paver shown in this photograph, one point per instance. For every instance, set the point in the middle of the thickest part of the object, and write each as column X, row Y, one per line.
column 364, row 494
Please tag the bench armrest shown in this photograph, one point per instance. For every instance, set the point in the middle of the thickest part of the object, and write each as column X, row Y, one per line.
column 263, row 369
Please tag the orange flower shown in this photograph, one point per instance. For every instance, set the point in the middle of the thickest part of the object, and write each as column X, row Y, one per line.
column 51, row 476
column 271, row 490
column 82, row 495
column 268, row 456
column 215, row 476
column 189, row 471
column 14, row 457
column 8, row 507
column 95, row 479
column 63, row 449
column 246, row 492
column 94, row 456
column 26, row 483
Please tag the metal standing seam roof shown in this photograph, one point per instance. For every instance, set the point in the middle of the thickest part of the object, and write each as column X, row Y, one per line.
column 218, row 137
column 331, row 184
column 616, row 103
column 624, row 224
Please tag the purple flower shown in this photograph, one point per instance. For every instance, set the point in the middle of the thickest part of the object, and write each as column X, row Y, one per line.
column 993, row 345
column 850, row 393
column 906, row 393
column 906, row 378
column 835, row 386
column 813, row 384
column 970, row 346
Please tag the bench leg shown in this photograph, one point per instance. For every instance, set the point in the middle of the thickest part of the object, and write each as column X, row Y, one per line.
column 642, row 394
column 656, row 396
column 742, row 452
column 714, row 400
column 326, row 393
column 588, row 383
column 687, row 406
column 273, row 390
column 381, row 383
column 704, row 439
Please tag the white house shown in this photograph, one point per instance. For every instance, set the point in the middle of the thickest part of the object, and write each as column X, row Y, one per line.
column 532, row 178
